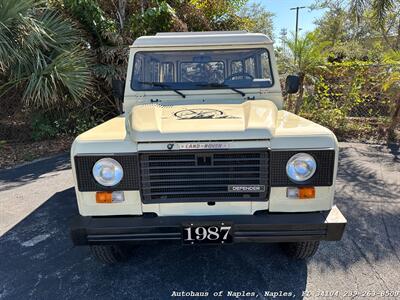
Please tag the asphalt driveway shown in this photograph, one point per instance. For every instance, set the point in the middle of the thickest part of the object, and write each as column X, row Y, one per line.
column 37, row 259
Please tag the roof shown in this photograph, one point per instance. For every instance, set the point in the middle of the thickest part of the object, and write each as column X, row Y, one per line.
column 201, row 39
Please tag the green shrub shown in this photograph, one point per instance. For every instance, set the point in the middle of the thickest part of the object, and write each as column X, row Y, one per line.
column 154, row 19
column 43, row 128
column 76, row 123
column 52, row 124
column 90, row 14
column 332, row 118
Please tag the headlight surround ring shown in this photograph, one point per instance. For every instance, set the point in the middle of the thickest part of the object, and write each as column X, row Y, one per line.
column 301, row 167
column 107, row 172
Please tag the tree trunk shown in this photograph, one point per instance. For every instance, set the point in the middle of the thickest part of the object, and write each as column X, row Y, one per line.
column 289, row 102
column 299, row 101
column 121, row 13
column 397, row 45
column 142, row 6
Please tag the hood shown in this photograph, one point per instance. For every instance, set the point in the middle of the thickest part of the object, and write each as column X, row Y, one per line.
column 253, row 119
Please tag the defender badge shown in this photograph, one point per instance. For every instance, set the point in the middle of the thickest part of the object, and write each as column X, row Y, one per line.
column 249, row 188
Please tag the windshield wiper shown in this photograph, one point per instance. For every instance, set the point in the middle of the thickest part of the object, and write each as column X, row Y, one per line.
column 215, row 84
column 163, row 85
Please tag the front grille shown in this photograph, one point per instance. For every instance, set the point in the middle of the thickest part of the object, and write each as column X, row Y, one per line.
column 203, row 176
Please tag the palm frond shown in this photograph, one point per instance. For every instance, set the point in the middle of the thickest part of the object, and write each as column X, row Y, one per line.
column 307, row 52
column 60, row 31
column 357, row 8
column 12, row 11
column 20, row 33
column 66, row 77
column 381, row 8
column 40, row 52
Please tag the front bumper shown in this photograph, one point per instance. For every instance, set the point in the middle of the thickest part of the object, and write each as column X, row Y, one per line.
column 260, row 228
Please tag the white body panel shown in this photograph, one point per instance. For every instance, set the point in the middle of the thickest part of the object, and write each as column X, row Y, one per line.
column 91, row 143
column 251, row 120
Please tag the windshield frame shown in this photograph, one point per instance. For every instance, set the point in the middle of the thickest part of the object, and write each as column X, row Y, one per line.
column 196, row 84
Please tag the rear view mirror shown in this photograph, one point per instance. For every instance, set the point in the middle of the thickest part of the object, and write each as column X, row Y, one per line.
column 292, row 84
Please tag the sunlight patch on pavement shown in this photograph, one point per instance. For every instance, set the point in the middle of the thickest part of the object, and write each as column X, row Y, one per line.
column 37, row 239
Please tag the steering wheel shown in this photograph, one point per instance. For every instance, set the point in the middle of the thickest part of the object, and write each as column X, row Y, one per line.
column 243, row 74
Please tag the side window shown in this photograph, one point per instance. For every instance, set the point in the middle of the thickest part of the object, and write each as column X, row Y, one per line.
column 161, row 71
column 250, row 66
column 236, row 66
column 265, row 66
column 138, row 68
column 167, row 72
column 155, row 70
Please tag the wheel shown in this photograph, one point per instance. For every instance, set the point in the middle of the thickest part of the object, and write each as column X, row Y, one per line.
column 301, row 250
column 109, row 254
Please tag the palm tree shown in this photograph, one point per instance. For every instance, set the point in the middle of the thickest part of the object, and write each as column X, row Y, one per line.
column 380, row 10
column 40, row 52
column 307, row 54
column 380, row 7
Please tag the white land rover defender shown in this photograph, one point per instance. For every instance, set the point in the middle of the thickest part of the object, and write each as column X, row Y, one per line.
column 204, row 153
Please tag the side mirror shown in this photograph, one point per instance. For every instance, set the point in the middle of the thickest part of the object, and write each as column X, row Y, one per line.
column 118, row 88
column 292, row 84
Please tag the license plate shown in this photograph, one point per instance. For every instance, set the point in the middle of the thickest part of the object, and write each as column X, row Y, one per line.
column 207, row 233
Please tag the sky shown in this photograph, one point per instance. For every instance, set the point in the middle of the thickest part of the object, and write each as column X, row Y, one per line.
column 286, row 18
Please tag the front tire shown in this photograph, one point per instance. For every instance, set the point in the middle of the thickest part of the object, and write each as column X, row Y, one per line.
column 109, row 254
column 301, row 250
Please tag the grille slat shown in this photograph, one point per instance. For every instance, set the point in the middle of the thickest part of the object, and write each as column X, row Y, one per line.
column 195, row 168
column 203, row 176
column 225, row 181
column 191, row 193
column 204, row 173
column 171, row 187
column 174, row 176
column 205, row 197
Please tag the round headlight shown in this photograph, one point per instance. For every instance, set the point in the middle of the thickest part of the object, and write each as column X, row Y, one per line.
column 107, row 172
column 301, row 167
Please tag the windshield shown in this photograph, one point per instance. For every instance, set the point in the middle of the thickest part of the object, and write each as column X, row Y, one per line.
column 209, row 69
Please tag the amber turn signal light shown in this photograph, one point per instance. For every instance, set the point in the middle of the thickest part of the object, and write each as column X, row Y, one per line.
column 304, row 192
column 104, row 197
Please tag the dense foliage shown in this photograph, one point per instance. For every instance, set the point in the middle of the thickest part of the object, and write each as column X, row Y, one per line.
column 59, row 57
column 349, row 68
column 41, row 53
